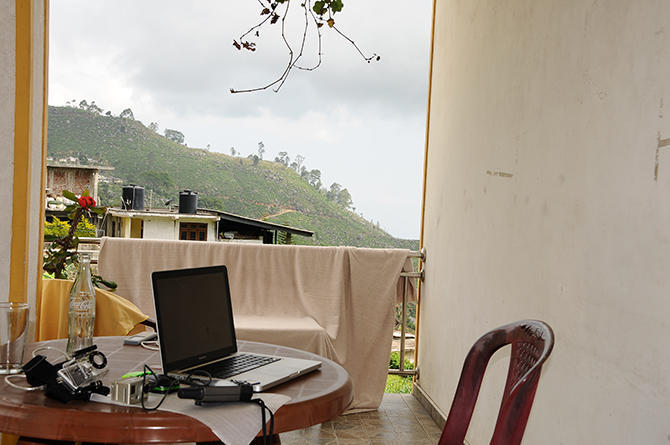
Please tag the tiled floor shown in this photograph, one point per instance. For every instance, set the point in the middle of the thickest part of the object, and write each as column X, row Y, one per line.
column 399, row 420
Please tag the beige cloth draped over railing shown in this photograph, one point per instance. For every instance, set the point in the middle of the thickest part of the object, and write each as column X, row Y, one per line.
column 334, row 301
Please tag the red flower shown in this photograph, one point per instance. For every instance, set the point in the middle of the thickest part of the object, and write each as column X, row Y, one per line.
column 86, row 202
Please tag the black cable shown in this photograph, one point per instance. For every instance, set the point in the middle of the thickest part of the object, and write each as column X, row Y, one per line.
column 189, row 380
column 272, row 421
column 263, row 423
column 267, row 438
column 145, row 388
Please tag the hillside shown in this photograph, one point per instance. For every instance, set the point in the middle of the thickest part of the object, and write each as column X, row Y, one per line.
column 254, row 188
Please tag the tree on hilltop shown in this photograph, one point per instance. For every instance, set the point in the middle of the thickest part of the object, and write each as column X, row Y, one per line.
column 93, row 108
column 127, row 114
column 174, row 135
column 344, row 198
column 282, row 158
column 254, row 159
column 334, row 191
column 314, row 178
column 297, row 162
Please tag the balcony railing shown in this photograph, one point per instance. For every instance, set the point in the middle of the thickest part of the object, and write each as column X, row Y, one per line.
column 87, row 245
column 408, row 288
column 409, row 283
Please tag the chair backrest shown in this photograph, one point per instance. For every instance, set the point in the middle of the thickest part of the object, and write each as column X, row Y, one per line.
column 532, row 342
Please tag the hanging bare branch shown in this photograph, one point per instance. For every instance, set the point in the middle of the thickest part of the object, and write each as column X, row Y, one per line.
column 367, row 59
column 319, row 13
column 288, row 46
column 290, row 62
column 309, row 10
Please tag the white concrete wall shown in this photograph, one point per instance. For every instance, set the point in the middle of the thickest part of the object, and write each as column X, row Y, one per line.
column 161, row 228
column 168, row 228
column 7, row 92
column 548, row 197
column 211, row 231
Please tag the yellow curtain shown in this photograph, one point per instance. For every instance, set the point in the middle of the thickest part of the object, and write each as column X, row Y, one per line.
column 114, row 315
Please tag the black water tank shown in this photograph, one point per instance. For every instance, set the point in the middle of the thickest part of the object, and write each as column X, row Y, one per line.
column 127, row 193
column 132, row 197
column 188, row 202
column 138, row 200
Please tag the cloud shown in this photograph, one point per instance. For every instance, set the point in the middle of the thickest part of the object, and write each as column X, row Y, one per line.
column 175, row 64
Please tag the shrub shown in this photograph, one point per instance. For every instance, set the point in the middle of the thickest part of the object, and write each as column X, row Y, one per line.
column 394, row 361
column 59, row 229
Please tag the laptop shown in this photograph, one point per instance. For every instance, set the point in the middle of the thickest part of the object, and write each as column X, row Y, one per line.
column 196, row 332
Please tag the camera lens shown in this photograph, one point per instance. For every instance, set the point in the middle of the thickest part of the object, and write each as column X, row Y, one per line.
column 98, row 360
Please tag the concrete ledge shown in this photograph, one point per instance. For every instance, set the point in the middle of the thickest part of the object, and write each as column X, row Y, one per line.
column 435, row 413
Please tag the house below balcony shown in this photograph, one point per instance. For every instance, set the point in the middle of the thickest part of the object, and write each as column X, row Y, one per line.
column 188, row 222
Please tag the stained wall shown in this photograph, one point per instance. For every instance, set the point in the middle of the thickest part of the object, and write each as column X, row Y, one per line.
column 548, row 197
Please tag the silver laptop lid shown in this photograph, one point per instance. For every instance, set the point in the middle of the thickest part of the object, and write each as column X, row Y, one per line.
column 194, row 316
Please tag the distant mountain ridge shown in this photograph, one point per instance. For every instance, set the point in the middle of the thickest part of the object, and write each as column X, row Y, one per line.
column 249, row 187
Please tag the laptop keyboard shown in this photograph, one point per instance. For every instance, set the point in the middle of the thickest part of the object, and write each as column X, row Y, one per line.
column 237, row 365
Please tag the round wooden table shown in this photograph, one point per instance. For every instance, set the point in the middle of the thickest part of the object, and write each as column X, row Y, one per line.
column 315, row 398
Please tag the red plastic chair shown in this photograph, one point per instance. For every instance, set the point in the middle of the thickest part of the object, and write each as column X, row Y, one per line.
column 532, row 342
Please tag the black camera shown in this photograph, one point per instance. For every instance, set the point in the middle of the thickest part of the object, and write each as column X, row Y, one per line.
column 74, row 379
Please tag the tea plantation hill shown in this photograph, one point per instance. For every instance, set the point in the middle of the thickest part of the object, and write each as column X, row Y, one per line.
column 253, row 188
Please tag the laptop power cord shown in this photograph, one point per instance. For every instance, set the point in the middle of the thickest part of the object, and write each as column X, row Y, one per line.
column 203, row 393
column 241, row 392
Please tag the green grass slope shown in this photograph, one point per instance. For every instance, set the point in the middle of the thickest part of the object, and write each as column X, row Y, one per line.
column 232, row 184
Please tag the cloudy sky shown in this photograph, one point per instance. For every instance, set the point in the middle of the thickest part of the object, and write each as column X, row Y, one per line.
column 173, row 62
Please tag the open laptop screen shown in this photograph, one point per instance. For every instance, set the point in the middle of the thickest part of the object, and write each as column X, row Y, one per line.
column 194, row 316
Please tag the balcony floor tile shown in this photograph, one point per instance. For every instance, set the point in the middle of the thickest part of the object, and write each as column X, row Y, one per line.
column 400, row 419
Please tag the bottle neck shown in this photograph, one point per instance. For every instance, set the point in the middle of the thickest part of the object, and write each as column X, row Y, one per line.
column 84, row 262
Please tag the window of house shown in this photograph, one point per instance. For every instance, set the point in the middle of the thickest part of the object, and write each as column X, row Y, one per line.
column 193, row 231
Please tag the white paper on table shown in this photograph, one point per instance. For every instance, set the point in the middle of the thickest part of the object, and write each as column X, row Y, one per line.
column 234, row 423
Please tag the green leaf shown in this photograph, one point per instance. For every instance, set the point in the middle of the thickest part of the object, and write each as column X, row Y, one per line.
column 98, row 280
column 85, row 193
column 319, row 7
column 69, row 195
column 98, row 210
column 336, row 5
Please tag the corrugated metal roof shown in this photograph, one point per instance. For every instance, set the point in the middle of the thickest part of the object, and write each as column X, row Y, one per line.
column 262, row 224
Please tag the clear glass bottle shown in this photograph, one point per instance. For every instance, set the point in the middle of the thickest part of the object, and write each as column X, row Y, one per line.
column 81, row 311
